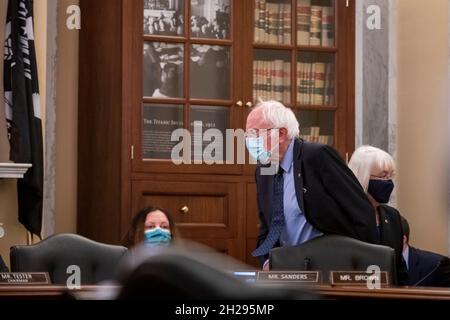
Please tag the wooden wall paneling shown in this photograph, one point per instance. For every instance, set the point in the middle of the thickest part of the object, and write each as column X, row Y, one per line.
column 100, row 111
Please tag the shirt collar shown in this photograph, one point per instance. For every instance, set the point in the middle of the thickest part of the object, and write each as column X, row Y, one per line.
column 406, row 256
column 288, row 159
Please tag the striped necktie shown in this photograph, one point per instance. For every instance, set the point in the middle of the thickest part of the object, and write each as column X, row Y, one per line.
column 277, row 224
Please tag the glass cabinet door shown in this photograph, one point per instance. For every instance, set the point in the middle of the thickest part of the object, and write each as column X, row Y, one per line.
column 188, row 64
column 295, row 58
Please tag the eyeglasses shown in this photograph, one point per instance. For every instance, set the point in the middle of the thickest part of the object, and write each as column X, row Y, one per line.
column 255, row 133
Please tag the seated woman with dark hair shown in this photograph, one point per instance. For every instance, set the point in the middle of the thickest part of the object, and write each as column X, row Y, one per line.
column 152, row 226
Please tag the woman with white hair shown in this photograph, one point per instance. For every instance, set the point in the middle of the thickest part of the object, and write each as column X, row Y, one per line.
column 375, row 169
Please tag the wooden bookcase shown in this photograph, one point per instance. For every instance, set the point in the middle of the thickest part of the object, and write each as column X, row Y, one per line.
column 143, row 68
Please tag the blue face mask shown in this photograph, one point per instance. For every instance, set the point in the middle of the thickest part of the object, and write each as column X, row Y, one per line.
column 255, row 147
column 157, row 237
column 381, row 190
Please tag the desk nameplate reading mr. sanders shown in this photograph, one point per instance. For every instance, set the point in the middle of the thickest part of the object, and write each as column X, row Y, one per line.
column 288, row 276
column 24, row 278
column 358, row 278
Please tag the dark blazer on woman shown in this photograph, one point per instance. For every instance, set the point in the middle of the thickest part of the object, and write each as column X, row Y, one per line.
column 391, row 235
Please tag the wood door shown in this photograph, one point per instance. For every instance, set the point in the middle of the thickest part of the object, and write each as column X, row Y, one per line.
column 187, row 69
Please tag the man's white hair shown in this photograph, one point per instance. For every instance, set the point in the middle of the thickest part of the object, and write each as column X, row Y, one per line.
column 280, row 116
column 366, row 158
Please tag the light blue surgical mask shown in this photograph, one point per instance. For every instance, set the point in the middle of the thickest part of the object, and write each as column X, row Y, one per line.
column 255, row 147
column 157, row 237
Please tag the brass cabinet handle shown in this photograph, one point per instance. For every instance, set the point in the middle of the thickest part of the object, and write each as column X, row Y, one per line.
column 239, row 103
column 184, row 210
column 249, row 104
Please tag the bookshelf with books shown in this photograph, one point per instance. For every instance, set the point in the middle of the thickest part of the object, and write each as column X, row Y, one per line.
column 308, row 65
column 272, row 75
column 171, row 63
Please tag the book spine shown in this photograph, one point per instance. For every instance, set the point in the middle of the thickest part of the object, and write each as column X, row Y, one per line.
column 299, row 83
column 255, row 79
column 286, row 82
column 316, row 26
column 279, row 74
column 303, row 22
column 280, row 24
column 268, row 81
column 287, row 21
column 328, row 26
column 319, row 83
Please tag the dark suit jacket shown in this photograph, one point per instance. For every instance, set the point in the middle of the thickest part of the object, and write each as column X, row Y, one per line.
column 391, row 235
column 328, row 194
column 428, row 269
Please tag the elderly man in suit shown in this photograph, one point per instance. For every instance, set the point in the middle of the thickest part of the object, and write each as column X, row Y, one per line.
column 313, row 192
column 425, row 268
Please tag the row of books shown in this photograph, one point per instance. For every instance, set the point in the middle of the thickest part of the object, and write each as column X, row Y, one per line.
column 272, row 22
column 315, row 83
column 315, row 24
column 312, row 134
column 272, row 80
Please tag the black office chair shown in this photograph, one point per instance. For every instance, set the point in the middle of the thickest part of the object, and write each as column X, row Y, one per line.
column 182, row 273
column 334, row 253
column 97, row 261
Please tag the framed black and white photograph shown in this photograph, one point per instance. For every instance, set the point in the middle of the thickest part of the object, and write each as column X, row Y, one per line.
column 163, row 70
column 210, row 72
column 210, row 19
column 164, row 17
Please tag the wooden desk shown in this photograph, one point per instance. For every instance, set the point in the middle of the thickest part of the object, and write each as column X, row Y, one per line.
column 51, row 292
column 90, row 292
column 383, row 293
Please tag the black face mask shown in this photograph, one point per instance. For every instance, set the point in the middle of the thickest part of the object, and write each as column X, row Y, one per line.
column 381, row 190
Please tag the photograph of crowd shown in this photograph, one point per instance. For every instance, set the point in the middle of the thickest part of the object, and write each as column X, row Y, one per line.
column 164, row 17
column 210, row 19
column 163, row 70
column 210, row 72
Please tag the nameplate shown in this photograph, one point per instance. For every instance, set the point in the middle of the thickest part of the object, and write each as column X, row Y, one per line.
column 24, row 278
column 288, row 276
column 358, row 278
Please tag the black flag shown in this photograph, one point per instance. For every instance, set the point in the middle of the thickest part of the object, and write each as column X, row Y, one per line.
column 23, row 111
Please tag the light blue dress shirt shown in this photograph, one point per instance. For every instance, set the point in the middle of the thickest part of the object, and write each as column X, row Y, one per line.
column 406, row 256
column 297, row 229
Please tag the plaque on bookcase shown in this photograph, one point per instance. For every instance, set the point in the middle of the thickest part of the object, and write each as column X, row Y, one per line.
column 158, row 124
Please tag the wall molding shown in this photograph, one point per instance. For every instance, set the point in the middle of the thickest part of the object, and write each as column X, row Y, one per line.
column 50, row 118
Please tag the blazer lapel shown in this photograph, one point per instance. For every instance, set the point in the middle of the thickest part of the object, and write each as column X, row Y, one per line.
column 298, row 173
column 413, row 266
column 265, row 189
